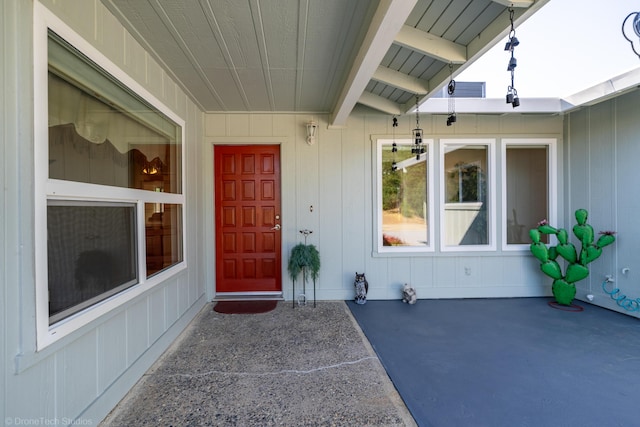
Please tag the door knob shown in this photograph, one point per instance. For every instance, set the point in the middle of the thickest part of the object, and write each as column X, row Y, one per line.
column 276, row 227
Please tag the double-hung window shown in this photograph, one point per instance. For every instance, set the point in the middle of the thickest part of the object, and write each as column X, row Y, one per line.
column 111, row 178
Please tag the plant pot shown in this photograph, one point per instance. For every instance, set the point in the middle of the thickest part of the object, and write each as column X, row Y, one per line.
column 304, row 258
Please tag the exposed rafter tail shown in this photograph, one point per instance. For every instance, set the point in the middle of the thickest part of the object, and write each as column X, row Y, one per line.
column 400, row 80
column 431, row 45
column 379, row 103
column 387, row 21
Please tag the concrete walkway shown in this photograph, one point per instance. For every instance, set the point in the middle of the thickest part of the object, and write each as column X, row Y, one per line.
column 300, row 366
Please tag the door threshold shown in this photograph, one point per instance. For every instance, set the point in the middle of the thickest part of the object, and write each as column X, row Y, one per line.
column 249, row 296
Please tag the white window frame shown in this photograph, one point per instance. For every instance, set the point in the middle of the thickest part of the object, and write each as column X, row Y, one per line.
column 377, row 233
column 49, row 188
column 552, row 190
column 490, row 143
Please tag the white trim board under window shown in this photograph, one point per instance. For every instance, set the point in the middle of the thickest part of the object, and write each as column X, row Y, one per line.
column 141, row 200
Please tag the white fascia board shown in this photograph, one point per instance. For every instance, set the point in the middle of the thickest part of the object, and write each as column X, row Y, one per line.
column 492, row 106
column 611, row 88
column 605, row 90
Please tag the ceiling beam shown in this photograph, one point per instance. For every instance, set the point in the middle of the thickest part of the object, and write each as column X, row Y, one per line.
column 400, row 80
column 388, row 19
column 431, row 45
column 515, row 3
column 379, row 103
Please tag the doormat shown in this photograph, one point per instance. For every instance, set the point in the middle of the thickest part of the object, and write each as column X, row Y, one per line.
column 244, row 307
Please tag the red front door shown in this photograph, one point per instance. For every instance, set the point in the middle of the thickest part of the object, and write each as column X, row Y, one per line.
column 247, row 215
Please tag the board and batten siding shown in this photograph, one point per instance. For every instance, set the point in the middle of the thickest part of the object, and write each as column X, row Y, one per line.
column 81, row 377
column 602, row 155
column 336, row 177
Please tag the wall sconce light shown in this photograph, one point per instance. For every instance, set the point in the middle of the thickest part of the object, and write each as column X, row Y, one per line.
column 312, row 128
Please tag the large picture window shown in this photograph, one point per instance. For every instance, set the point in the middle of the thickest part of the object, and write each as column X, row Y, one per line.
column 113, row 187
column 468, row 207
column 404, row 205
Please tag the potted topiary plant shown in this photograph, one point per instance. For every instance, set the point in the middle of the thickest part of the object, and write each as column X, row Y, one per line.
column 563, row 287
column 304, row 259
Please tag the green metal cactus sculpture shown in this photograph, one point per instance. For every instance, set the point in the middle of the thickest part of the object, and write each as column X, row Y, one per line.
column 563, row 288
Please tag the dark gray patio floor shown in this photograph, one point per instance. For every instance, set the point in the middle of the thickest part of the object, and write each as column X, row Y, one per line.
column 508, row 362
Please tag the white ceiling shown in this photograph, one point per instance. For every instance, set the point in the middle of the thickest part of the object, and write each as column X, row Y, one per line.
column 316, row 55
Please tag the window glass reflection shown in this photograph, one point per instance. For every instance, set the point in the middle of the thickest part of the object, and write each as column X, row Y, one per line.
column 404, row 197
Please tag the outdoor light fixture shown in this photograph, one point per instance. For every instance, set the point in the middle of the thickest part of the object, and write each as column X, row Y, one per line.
column 451, row 89
column 417, row 148
column 312, row 128
column 512, row 42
